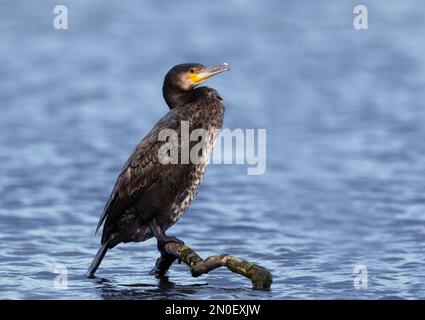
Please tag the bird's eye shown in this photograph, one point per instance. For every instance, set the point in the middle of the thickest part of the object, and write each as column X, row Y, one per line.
column 192, row 70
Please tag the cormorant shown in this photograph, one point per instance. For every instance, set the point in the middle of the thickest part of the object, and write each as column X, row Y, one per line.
column 149, row 196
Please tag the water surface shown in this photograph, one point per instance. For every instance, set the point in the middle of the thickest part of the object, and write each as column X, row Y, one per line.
column 344, row 113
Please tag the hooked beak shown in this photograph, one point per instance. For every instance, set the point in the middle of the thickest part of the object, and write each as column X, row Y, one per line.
column 206, row 73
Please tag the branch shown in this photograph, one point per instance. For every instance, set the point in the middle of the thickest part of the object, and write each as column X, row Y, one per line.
column 260, row 277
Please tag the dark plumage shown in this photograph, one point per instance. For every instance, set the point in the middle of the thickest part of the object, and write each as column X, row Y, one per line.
column 149, row 196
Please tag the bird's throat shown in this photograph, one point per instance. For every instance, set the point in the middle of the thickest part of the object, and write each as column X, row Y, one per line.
column 175, row 97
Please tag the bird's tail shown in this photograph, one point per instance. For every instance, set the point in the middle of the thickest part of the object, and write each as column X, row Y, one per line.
column 97, row 260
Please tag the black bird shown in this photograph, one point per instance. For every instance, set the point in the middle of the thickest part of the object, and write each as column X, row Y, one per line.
column 150, row 195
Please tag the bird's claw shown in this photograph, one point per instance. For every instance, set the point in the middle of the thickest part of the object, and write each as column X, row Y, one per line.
column 166, row 239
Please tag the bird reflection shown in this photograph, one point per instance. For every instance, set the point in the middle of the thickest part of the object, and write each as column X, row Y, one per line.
column 163, row 289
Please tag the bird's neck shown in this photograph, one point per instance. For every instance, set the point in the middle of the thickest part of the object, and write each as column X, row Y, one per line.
column 175, row 97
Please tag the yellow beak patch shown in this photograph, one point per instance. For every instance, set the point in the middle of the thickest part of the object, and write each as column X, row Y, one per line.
column 196, row 78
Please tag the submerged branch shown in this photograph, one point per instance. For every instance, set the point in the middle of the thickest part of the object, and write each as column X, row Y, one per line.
column 260, row 277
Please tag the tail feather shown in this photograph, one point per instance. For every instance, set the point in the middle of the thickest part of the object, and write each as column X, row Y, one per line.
column 97, row 260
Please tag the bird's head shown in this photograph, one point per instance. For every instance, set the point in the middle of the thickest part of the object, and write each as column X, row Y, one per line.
column 187, row 76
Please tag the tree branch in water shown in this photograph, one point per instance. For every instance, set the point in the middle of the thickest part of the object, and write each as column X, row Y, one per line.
column 260, row 277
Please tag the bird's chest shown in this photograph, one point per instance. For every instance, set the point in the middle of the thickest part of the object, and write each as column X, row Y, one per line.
column 195, row 174
column 205, row 121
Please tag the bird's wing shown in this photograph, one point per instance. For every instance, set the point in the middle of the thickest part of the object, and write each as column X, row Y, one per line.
column 139, row 173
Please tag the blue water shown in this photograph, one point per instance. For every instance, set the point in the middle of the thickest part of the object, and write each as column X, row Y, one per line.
column 344, row 113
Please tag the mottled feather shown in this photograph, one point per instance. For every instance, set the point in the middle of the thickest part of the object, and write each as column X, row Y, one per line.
column 142, row 173
column 138, row 174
